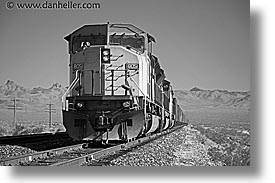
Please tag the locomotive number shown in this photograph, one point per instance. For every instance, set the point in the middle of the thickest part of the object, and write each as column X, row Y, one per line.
column 78, row 66
column 132, row 66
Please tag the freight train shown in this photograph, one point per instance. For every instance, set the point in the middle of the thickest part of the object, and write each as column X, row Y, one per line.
column 118, row 90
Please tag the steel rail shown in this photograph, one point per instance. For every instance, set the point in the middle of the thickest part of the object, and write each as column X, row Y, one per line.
column 30, row 157
column 112, row 150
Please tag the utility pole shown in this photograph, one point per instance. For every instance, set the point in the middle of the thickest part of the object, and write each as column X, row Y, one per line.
column 14, row 108
column 50, row 111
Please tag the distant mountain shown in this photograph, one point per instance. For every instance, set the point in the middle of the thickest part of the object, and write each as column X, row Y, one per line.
column 37, row 98
column 198, row 98
column 30, row 99
column 10, row 88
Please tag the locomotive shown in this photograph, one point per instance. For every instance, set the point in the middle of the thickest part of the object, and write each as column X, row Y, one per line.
column 118, row 90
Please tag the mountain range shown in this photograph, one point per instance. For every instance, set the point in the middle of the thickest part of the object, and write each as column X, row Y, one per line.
column 30, row 99
column 200, row 98
column 37, row 98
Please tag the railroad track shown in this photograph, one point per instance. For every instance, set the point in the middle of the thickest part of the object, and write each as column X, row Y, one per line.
column 89, row 158
column 38, row 156
column 75, row 155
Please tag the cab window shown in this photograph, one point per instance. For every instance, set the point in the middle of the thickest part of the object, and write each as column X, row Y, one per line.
column 82, row 42
column 132, row 41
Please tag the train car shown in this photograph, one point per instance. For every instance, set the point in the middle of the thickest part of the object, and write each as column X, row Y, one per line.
column 118, row 89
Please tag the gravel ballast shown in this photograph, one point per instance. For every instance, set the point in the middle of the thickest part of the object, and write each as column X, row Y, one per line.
column 8, row 151
column 183, row 147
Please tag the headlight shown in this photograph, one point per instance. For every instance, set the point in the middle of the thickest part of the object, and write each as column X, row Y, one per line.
column 79, row 104
column 105, row 52
column 105, row 55
column 126, row 104
column 105, row 59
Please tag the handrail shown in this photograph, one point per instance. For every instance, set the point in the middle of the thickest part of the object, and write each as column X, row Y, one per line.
column 116, row 69
column 107, row 88
column 116, row 77
column 137, row 85
column 117, row 57
column 145, row 96
column 72, row 85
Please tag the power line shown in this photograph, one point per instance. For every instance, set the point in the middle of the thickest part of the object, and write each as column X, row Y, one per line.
column 14, row 108
column 50, row 111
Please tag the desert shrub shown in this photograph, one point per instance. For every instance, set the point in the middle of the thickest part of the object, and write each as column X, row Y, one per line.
column 37, row 130
column 3, row 131
column 236, row 146
column 240, row 158
column 23, row 130
column 20, row 130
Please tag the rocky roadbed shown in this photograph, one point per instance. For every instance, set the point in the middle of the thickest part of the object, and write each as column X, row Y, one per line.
column 8, row 151
column 183, row 147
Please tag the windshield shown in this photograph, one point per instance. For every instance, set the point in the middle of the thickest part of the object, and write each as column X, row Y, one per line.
column 129, row 27
column 133, row 41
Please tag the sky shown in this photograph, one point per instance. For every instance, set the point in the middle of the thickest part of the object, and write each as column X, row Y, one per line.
column 202, row 43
